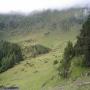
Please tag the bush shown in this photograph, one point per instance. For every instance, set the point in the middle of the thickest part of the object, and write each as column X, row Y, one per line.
column 55, row 62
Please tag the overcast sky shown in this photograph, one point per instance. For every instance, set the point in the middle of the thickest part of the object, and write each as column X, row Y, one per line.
column 31, row 5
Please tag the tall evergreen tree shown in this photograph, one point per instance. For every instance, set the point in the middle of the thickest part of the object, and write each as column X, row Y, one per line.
column 66, row 62
column 82, row 46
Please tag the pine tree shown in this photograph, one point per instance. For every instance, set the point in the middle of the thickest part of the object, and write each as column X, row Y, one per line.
column 82, row 46
column 66, row 61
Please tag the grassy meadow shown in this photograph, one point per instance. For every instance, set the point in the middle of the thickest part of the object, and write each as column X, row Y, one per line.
column 39, row 72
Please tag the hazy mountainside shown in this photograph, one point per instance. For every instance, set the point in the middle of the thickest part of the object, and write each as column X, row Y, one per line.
column 42, row 19
column 50, row 19
column 42, row 37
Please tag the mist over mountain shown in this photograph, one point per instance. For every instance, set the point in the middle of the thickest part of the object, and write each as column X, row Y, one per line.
column 52, row 20
column 43, row 50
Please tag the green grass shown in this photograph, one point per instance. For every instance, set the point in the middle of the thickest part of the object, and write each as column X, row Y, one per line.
column 78, row 80
column 30, row 77
column 40, row 73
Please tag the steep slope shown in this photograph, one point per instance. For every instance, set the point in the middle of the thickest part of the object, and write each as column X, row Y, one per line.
column 39, row 72
column 49, row 28
column 45, row 21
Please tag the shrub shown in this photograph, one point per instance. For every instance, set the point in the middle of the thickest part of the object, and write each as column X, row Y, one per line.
column 55, row 62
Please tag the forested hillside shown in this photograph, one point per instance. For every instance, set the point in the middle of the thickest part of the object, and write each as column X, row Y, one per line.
column 10, row 54
column 51, row 20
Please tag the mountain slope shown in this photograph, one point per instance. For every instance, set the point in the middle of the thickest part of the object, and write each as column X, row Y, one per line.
column 49, row 28
column 45, row 21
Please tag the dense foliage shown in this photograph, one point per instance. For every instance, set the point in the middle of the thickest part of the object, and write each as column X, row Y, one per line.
column 82, row 46
column 65, row 63
column 53, row 19
column 10, row 54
